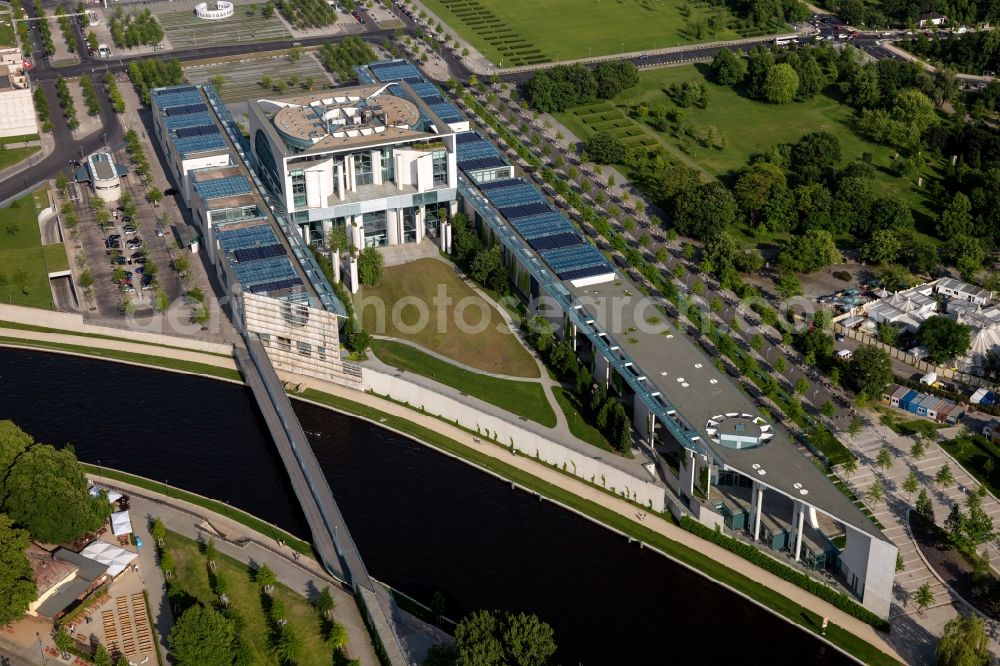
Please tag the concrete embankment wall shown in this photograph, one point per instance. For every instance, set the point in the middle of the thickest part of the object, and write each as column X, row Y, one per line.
column 523, row 441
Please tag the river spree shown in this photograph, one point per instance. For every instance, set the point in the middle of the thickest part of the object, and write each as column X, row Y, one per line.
column 424, row 522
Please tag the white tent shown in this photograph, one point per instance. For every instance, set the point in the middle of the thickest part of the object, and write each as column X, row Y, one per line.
column 121, row 523
column 114, row 557
column 113, row 496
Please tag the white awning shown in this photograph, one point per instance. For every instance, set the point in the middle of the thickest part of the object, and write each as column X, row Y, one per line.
column 113, row 496
column 108, row 554
column 121, row 523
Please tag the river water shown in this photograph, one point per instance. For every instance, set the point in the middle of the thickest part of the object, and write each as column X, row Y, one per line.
column 424, row 522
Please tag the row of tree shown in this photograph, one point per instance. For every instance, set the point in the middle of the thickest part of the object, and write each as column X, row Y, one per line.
column 906, row 13
column 496, row 638
column 559, row 88
column 153, row 73
column 129, row 30
column 972, row 53
column 342, row 58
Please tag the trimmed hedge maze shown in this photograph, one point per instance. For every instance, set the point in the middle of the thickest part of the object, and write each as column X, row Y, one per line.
column 604, row 116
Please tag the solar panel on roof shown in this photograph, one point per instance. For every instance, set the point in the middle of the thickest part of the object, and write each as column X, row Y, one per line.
column 425, row 89
column 196, row 130
column 515, row 195
column 178, row 99
column 264, row 252
column 187, row 120
column 396, row 70
column 481, row 163
column 554, row 241
column 196, row 144
column 526, row 209
column 446, row 111
column 467, row 137
column 174, row 89
column 542, row 224
column 433, row 98
column 496, row 184
column 184, row 109
column 578, row 273
column 263, row 271
column 223, row 187
column 274, row 285
column 571, row 260
column 256, row 236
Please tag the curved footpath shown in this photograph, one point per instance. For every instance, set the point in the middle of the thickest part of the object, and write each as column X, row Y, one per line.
column 579, row 488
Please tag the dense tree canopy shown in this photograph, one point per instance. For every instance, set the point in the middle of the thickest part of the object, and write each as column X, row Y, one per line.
column 17, row 581
column 781, row 84
column 943, row 338
column 809, row 252
column 727, row 68
column 13, row 442
column 370, row 266
column 47, row 495
column 559, row 88
column 487, row 638
column 604, row 147
column 963, row 642
column 705, row 211
column 870, row 370
column 202, row 637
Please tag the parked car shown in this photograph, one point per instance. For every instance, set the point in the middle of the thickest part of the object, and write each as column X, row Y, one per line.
column 159, row 231
column 134, row 243
column 146, row 281
column 128, row 230
column 126, row 219
column 120, row 260
column 137, row 259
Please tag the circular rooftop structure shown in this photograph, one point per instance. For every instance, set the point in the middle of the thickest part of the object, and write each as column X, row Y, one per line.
column 739, row 430
column 348, row 116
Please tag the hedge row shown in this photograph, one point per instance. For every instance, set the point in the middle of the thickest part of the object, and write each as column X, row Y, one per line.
column 751, row 554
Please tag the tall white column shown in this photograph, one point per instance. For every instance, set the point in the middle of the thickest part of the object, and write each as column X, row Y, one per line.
column 352, row 181
column 392, row 227
column 354, row 274
column 759, row 495
column 447, row 227
column 335, row 259
column 418, row 221
column 376, row 167
column 340, row 179
column 442, row 241
column 305, row 233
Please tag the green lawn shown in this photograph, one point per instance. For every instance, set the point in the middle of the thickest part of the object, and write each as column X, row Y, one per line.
column 973, row 455
column 748, row 126
column 519, row 32
column 577, row 425
column 11, row 156
column 55, row 257
column 191, row 577
column 6, row 30
column 522, row 398
column 23, row 278
column 18, row 138
column 494, row 348
column 781, row 605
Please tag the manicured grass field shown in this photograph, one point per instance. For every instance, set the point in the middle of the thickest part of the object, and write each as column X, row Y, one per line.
column 493, row 349
column 23, row 277
column 574, row 419
column 242, row 79
column 55, row 257
column 526, row 399
column 191, row 576
column 185, row 30
column 6, row 30
column 10, row 156
column 519, row 32
column 748, row 125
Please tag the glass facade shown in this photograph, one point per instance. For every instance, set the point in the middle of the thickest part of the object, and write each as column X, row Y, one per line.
column 388, row 168
column 409, row 224
column 269, row 168
column 375, row 229
column 440, row 168
column 363, row 169
column 298, row 188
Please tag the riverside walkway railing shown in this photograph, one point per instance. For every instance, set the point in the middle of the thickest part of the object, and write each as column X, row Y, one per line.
column 331, row 538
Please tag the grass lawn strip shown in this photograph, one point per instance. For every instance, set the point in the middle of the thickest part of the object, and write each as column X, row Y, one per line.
column 22, row 264
column 11, row 156
column 577, row 425
column 191, row 576
column 778, row 603
column 191, row 367
column 494, row 349
column 99, row 336
column 525, row 398
column 238, row 515
column 55, row 257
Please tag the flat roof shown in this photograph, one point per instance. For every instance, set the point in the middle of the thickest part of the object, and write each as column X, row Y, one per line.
column 102, row 166
column 687, row 377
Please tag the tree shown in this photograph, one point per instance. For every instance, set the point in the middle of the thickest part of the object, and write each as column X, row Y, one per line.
column 882, row 248
column 265, row 579
column 963, row 642
column 158, row 531
column 811, row 79
column 101, row 656
column 943, row 338
column 759, row 64
column 324, row 603
column 267, row 11
column 704, row 211
column 727, row 68
column 13, row 442
column 876, row 492
column 850, row 466
column 888, row 333
column 924, row 597
column 47, row 495
column 910, row 484
column 17, row 581
column 288, row 645
column 801, row 385
column 781, row 84
column 788, row 285
column 202, row 637
column 370, row 265
column 809, row 252
column 295, row 53
column 154, row 196
column 218, row 81
column 924, row 507
column 956, row 218
column 604, row 147
column 485, row 264
column 870, row 370
column 487, row 638
column 854, row 427
column 944, row 476
column 884, row 459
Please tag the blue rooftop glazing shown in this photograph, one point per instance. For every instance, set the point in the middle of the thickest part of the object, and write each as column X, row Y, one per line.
column 223, row 187
column 481, row 163
column 553, row 241
column 265, row 273
column 525, row 210
column 187, row 120
column 517, row 193
column 183, row 110
column 390, row 71
column 177, row 96
column 541, row 224
column 198, row 144
column 256, row 236
column 575, row 261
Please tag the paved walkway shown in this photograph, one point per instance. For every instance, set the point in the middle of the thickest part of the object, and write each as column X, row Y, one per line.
column 304, row 576
column 619, row 506
column 891, row 512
